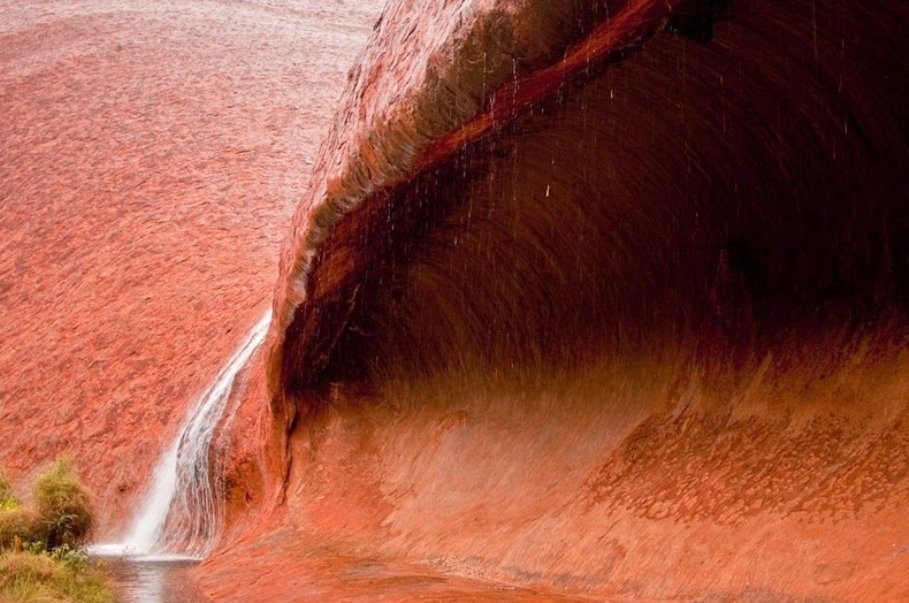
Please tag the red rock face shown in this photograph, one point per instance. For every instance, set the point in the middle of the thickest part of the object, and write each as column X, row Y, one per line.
column 152, row 154
column 642, row 480
column 618, row 311
column 582, row 299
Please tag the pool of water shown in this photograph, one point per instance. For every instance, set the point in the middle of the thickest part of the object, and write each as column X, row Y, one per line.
column 149, row 580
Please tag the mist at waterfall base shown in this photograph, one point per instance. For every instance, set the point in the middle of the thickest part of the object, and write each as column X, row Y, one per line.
column 179, row 518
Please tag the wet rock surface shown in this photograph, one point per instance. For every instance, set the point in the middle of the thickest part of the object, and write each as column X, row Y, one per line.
column 612, row 311
column 620, row 316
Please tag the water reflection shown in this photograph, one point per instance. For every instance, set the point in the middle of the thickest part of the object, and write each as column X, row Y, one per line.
column 138, row 580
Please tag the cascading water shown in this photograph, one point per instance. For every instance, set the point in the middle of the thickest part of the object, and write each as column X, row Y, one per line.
column 179, row 518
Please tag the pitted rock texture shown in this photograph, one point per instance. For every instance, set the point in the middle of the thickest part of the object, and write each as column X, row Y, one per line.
column 152, row 154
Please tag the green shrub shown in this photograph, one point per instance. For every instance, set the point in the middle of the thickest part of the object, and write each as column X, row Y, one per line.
column 63, row 506
column 20, row 526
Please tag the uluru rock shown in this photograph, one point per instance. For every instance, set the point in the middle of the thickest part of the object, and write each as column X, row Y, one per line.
column 602, row 300
column 585, row 299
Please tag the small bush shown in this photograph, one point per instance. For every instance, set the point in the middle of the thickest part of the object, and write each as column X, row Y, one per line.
column 63, row 505
column 20, row 526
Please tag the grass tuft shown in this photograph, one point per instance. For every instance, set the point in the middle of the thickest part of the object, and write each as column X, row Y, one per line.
column 42, row 576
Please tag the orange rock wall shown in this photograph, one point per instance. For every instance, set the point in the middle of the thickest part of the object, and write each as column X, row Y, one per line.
column 648, row 479
column 152, row 154
column 638, row 331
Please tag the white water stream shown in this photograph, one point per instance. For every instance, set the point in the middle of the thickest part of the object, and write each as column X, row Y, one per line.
column 179, row 517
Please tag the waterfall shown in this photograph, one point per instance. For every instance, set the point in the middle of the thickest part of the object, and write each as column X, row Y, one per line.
column 179, row 517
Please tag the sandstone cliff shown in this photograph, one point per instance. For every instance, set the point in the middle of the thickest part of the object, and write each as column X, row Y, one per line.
column 599, row 299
